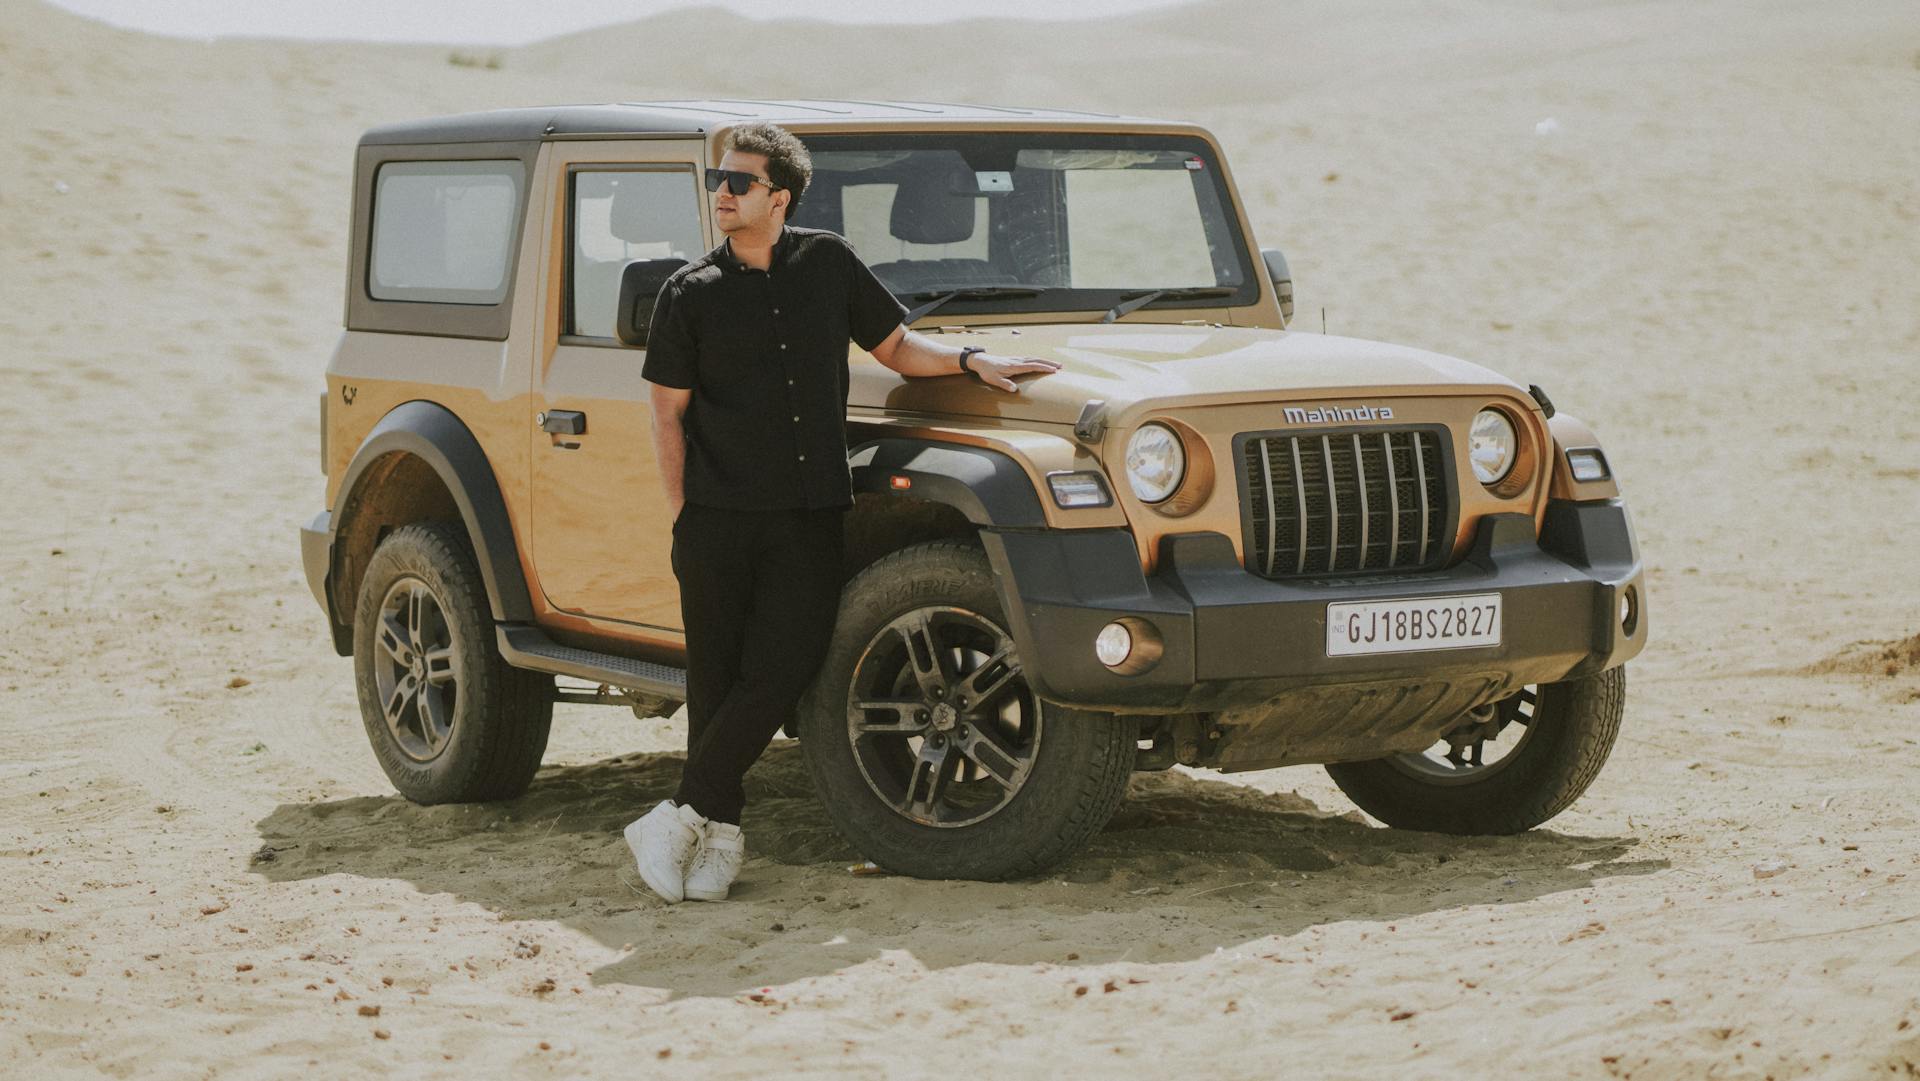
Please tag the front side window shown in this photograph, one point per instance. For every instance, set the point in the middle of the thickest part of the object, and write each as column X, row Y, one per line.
column 620, row 216
column 1085, row 218
column 443, row 230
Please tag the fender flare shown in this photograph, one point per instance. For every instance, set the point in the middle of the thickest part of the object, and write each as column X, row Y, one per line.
column 989, row 487
column 433, row 434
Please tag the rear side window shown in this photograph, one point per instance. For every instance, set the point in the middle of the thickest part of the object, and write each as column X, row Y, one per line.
column 443, row 230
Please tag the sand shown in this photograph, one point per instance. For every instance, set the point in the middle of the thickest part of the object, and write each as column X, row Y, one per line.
column 1695, row 225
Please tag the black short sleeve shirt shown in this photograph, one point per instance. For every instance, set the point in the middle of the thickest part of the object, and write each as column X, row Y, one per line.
column 765, row 354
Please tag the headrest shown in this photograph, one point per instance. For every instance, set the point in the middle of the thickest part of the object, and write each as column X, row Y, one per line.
column 926, row 210
column 638, row 215
column 821, row 209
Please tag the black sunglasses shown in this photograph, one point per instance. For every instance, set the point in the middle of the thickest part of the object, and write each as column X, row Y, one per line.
column 736, row 181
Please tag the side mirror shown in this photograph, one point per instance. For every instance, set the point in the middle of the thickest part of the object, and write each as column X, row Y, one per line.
column 1282, row 281
column 639, row 286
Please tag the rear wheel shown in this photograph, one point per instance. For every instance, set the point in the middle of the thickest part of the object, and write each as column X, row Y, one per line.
column 932, row 754
column 449, row 721
column 1505, row 769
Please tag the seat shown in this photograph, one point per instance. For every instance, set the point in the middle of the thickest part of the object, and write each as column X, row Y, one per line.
column 937, row 206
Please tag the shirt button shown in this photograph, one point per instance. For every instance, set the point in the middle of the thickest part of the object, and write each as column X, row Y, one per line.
column 776, row 311
column 783, row 345
column 789, row 382
column 796, row 419
column 803, row 457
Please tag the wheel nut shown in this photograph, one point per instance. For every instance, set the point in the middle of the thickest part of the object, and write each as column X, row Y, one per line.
column 963, row 731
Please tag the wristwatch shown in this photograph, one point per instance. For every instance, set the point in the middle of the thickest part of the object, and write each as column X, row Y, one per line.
column 966, row 352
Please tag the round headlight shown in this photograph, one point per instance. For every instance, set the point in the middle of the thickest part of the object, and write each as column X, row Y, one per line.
column 1156, row 462
column 1491, row 446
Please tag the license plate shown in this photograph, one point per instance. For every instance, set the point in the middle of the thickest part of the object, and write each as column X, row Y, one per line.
column 1413, row 626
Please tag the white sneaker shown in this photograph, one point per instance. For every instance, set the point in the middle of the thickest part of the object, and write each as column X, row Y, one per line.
column 717, row 863
column 663, row 842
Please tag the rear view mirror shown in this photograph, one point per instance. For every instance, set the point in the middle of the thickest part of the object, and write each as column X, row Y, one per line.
column 640, row 284
column 1282, row 281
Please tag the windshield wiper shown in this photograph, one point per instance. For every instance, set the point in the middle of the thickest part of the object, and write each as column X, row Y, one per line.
column 1132, row 301
column 973, row 292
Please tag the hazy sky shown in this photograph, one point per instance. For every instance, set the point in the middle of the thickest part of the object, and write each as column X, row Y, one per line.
column 514, row 22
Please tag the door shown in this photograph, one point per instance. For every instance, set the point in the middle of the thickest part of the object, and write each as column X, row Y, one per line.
column 601, row 531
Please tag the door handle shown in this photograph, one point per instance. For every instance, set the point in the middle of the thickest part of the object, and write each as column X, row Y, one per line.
column 562, row 422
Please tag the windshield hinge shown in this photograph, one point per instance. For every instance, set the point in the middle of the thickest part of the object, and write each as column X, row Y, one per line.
column 1092, row 423
column 1546, row 403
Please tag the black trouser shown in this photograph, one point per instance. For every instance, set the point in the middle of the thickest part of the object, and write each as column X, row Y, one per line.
column 758, row 594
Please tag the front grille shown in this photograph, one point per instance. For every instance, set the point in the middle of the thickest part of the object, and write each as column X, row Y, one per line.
column 1346, row 503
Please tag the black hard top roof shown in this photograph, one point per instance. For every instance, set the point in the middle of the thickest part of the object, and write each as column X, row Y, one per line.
column 696, row 117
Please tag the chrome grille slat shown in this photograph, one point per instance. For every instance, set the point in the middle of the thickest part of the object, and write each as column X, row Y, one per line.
column 1420, row 464
column 1273, row 516
column 1333, row 505
column 1351, row 476
column 1360, row 474
column 1300, row 490
column 1393, row 497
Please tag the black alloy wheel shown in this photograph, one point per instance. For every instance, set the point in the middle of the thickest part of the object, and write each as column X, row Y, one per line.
column 928, row 746
column 417, row 672
column 1506, row 768
column 1463, row 755
column 448, row 719
column 942, row 723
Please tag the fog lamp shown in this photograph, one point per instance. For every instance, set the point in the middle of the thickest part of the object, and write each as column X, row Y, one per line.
column 1113, row 645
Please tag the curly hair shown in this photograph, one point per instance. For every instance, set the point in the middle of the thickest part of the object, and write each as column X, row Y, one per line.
column 788, row 163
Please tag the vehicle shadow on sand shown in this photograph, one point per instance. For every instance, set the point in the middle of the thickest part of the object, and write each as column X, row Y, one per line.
column 1188, row 865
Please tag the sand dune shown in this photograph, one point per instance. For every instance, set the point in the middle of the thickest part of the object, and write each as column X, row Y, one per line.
column 1695, row 225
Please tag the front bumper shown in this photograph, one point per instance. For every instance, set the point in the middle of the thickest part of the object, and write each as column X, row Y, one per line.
column 1234, row 640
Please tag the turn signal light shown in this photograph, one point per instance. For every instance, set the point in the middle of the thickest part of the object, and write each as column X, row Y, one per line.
column 1588, row 464
column 1084, row 489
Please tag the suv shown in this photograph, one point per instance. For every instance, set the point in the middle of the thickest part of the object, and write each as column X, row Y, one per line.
column 1207, row 540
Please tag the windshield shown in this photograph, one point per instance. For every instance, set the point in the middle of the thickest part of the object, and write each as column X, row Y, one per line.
column 1082, row 218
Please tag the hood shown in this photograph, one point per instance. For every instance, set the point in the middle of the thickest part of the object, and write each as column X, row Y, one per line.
column 1128, row 364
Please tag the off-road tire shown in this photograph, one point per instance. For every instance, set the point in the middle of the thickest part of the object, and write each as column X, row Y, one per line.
column 1080, row 768
column 1577, row 721
column 501, row 715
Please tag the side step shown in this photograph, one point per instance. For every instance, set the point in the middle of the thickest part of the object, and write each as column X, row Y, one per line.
column 525, row 646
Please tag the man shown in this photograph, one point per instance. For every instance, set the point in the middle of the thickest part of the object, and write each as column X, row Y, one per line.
column 748, row 359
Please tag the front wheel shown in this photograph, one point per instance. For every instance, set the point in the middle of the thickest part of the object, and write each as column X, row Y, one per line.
column 1506, row 770
column 932, row 754
column 450, row 722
